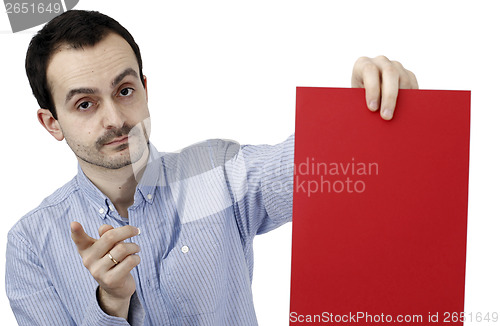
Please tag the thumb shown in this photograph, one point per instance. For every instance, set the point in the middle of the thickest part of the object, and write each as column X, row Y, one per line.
column 104, row 228
column 81, row 239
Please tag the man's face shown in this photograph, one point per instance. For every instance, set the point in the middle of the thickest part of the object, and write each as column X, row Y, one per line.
column 100, row 101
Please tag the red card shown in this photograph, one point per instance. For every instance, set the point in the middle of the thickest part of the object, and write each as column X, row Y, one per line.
column 380, row 209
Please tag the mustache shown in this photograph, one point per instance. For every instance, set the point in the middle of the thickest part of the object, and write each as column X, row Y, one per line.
column 112, row 134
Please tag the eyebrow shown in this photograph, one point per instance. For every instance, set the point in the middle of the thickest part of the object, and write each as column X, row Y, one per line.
column 125, row 73
column 116, row 81
column 75, row 91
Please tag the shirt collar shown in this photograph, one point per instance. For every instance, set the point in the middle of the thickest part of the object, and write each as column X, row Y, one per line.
column 151, row 178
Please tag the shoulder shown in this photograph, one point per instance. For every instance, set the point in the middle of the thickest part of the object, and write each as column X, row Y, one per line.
column 50, row 210
column 203, row 156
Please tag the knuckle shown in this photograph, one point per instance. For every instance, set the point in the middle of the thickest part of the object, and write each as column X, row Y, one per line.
column 391, row 70
column 382, row 58
column 413, row 79
column 120, row 249
column 86, row 262
column 109, row 237
column 411, row 75
column 108, row 281
column 370, row 70
column 362, row 60
column 405, row 82
column 96, row 273
column 370, row 67
column 397, row 64
column 112, row 281
column 93, row 271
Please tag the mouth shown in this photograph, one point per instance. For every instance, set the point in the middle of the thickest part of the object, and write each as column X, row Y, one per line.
column 117, row 141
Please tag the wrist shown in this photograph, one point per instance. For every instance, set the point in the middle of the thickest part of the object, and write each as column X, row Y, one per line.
column 111, row 305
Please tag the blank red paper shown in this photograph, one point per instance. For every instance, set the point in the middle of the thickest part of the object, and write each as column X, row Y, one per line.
column 380, row 209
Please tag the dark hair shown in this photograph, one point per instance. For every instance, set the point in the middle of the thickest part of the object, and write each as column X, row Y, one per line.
column 76, row 28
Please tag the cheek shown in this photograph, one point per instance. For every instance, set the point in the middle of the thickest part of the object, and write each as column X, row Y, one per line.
column 81, row 137
column 140, row 104
column 139, row 113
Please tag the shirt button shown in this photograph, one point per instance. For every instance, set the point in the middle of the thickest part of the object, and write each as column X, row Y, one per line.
column 101, row 211
column 111, row 208
column 150, row 196
column 185, row 249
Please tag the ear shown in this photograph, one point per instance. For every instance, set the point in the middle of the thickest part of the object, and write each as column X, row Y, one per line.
column 146, row 86
column 50, row 123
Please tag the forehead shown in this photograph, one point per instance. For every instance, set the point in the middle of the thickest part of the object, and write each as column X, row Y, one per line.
column 91, row 66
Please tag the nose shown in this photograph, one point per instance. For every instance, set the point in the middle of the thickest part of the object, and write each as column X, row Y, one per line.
column 112, row 117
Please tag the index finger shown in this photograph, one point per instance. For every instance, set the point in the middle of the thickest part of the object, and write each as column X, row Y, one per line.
column 81, row 239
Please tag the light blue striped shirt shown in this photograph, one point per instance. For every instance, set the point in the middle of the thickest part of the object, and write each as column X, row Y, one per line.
column 198, row 211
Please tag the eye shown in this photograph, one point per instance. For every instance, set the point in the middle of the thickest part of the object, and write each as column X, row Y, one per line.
column 127, row 91
column 85, row 105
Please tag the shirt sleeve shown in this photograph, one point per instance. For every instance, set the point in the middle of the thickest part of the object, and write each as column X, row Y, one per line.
column 34, row 299
column 260, row 180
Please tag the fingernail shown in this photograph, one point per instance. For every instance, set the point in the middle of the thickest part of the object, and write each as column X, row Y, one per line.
column 373, row 105
column 138, row 231
column 387, row 114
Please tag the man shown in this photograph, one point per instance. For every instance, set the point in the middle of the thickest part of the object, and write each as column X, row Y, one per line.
column 161, row 239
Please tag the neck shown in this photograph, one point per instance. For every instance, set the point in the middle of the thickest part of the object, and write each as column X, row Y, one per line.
column 118, row 185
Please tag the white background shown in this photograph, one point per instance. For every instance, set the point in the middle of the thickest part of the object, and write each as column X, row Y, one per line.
column 228, row 69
